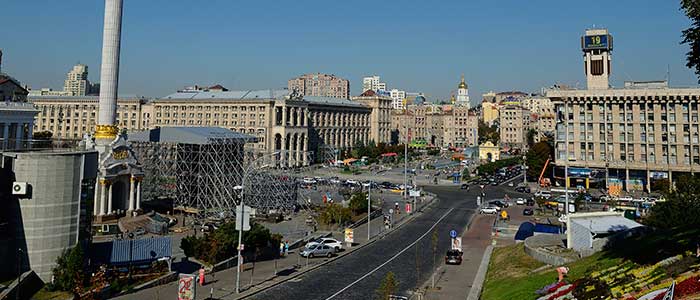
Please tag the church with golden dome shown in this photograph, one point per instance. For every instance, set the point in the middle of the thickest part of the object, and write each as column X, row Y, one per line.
column 463, row 94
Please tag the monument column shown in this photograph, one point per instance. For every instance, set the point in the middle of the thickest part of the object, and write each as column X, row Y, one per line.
column 131, row 193
column 138, row 194
column 106, row 129
column 109, row 198
column 103, row 204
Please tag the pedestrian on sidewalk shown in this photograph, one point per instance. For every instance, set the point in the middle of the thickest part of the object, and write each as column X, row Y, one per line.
column 286, row 247
column 201, row 276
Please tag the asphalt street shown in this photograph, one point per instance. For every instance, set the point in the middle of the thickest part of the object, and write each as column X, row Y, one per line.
column 407, row 252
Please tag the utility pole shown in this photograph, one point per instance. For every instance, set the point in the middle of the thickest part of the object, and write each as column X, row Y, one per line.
column 369, row 209
column 566, row 160
column 405, row 157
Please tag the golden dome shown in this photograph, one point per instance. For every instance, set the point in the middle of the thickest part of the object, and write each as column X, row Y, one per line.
column 463, row 85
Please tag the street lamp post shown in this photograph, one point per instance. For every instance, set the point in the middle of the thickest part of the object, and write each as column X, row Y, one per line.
column 240, row 218
column 369, row 208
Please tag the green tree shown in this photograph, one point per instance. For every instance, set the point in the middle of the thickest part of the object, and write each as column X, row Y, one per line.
column 388, row 286
column 335, row 214
column 691, row 36
column 682, row 205
column 223, row 242
column 531, row 134
column 358, row 203
column 536, row 157
column 488, row 133
column 69, row 272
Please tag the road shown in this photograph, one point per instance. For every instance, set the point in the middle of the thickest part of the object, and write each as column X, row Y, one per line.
column 406, row 252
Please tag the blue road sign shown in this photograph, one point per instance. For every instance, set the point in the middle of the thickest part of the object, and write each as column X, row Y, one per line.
column 453, row 233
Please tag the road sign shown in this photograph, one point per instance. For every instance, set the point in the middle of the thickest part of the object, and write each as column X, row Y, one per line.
column 391, row 210
column 186, row 287
column 414, row 193
column 457, row 244
column 453, row 233
column 243, row 217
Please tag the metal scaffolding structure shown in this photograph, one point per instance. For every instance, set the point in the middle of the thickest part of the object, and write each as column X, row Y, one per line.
column 202, row 166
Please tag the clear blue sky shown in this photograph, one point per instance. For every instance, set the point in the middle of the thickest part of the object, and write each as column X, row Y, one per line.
column 414, row 45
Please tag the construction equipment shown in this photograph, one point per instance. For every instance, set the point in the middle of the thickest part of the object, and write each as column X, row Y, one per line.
column 544, row 182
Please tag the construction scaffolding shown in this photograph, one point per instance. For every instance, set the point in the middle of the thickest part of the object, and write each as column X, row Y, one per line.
column 204, row 167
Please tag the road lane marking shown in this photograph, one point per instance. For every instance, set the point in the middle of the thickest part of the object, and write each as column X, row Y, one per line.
column 393, row 257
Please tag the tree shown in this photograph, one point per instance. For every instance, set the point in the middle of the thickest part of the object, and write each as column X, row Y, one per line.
column 531, row 134
column 388, row 286
column 536, row 157
column 682, row 205
column 488, row 133
column 43, row 139
column 358, row 202
column 691, row 36
column 69, row 272
column 223, row 242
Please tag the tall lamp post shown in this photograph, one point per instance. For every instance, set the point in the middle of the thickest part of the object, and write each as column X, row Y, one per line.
column 241, row 187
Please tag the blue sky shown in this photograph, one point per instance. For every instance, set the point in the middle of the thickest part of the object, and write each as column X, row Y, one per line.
column 414, row 45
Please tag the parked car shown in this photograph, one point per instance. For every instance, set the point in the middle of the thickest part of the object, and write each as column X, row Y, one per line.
column 334, row 180
column 489, row 210
column 528, row 212
column 318, row 250
column 453, row 257
column 386, row 185
column 520, row 201
column 530, row 202
column 335, row 244
column 510, row 183
column 350, row 181
column 522, row 189
column 309, row 180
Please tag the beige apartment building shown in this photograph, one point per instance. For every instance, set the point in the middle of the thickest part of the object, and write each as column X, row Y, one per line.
column 437, row 125
column 70, row 117
column 322, row 85
column 542, row 116
column 514, row 121
column 297, row 126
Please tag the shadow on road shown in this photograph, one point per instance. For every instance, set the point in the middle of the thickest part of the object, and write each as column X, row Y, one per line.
column 185, row 266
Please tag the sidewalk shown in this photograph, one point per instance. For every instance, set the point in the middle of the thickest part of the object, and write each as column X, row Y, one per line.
column 455, row 281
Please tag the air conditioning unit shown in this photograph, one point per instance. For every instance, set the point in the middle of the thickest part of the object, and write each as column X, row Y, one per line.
column 19, row 188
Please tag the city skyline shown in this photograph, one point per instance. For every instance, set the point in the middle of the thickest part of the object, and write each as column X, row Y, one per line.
column 159, row 57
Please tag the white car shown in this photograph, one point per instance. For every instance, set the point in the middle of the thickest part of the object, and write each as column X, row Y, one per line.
column 520, row 201
column 309, row 180
column 510, row 183
column 331, row 242
column 489, row 210
column 350, row 181
column 334, row 181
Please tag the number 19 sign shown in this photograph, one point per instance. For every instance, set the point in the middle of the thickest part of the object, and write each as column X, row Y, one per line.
column 187, row 287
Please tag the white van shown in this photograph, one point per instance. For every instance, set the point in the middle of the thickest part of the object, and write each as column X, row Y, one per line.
column 545, row 194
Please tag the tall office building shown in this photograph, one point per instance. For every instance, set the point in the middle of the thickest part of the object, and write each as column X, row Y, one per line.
column 321, row 85
column 373, row 83
column 626, row 137
column 77, row 83
column 397, row 98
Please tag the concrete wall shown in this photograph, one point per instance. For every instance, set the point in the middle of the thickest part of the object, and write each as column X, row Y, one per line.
column 53, row 216
column 581, row 237
column 534, row 244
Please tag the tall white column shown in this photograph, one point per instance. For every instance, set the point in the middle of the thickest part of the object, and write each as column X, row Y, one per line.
column 96, row 196
column 103, row 200
column 109, row 75
column 138, row 194
column 109, row 198
column 306, row 149
column 131, row 193
column 298, row 149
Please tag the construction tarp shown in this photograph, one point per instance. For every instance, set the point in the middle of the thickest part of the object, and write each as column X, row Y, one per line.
column 525, row 230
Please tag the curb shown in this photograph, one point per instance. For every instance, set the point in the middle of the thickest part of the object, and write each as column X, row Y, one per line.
column 371, row 241
column 478, row 284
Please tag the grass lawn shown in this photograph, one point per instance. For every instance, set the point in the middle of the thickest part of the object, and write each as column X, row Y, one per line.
column 509, row 275
column 43, row 294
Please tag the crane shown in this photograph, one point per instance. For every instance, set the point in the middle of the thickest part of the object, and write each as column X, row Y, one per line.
column 544, row 182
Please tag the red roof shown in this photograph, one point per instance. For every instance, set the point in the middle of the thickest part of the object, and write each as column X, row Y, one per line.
column 368, row 93
column 218, row 87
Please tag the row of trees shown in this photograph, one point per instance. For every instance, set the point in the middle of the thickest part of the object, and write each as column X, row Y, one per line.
column 337, row 214
column 223, row 242
column 491, row 167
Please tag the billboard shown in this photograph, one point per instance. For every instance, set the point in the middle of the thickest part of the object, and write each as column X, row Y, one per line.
column 349, row 235
column 603, row 41
column 186, row 287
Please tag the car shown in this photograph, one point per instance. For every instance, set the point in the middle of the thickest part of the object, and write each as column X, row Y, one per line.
column 494, row 183
column 334, row 180
column 335, row 244
column 522, row 189
column 465, row 186
column 350, row 181
column 499, row 203
column 453, row 257
column 530, row 202
column 520, row 201
column 528, row 212
column 489, row 210
column 386, row 185
column 318, row 250
column 309, row 180
column 140, row 231
column 510, row 183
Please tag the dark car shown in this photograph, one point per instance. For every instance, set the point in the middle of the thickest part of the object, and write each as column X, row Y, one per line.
column 465, row 186
column 498, row 203
column 530, row 202
column 522, row 189
column 386, row 184
column 528, row 212
column 453, row 257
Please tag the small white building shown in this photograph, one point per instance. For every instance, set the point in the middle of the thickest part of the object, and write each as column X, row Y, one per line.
column 588, row 233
